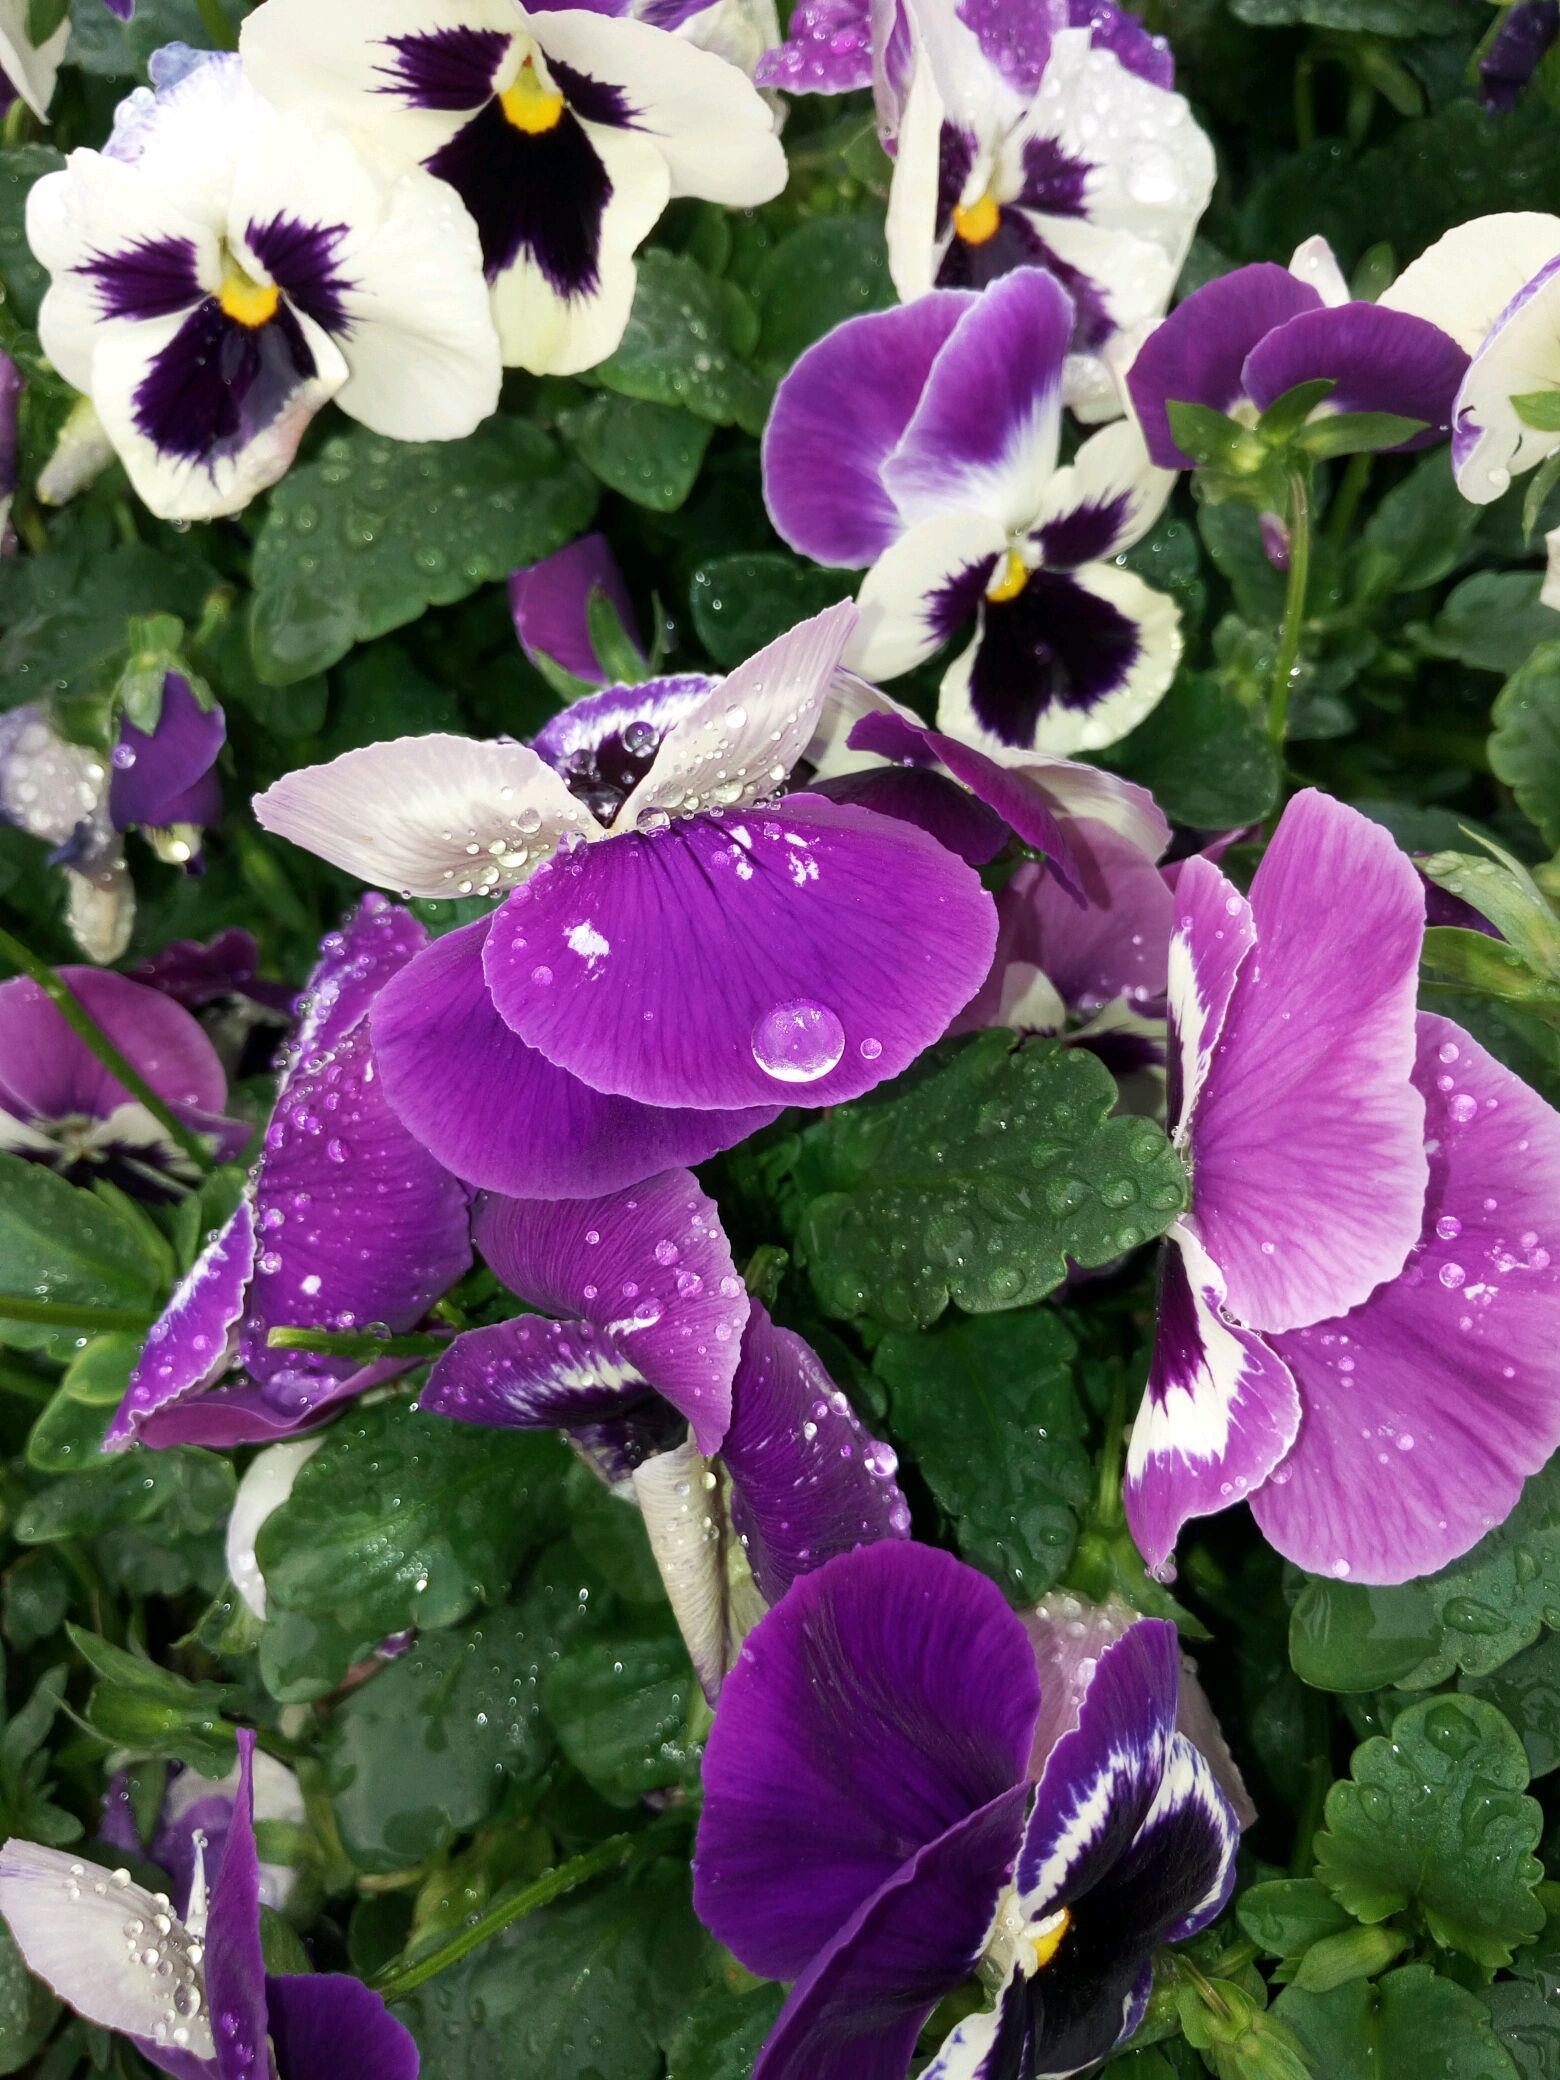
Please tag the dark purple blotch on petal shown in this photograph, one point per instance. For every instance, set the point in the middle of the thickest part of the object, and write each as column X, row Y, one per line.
column 1056, row 645
column 1084, row 534
column 448, row 69
column 301, row 258
column 218, row 384
column 542, row 197
column 914, row 794
column 149, row 278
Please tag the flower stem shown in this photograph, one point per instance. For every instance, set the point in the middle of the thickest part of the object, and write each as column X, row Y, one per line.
column 619, row 1852
column 1107, row 1505
column 97, row 1043
column 58, row 1314
column 1294, row 605
column 219, row 29
column 1346, row 501
column 333, row 1343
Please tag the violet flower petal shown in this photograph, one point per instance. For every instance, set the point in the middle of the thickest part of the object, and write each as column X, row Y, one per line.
column 354, row 964
column 827, row 51
column 1213, row 934
column 46, row 1072
column 234, row 1965
column 594, row 719
column 1381, row 360
column 550, row 602
column 192, row 1342
column 930, row 800
column 156, row 775
column 326, row 2025
column 535, row 1374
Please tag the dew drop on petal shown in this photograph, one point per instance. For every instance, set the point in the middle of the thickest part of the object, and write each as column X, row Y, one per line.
column 798, row 1042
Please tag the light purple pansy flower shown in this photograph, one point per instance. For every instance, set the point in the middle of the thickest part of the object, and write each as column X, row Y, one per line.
column 60, row 1106
column 346, row 1220
column 945, row 477
column 58, row 792
column 873, row 1831
column 550, row 602
column 164, row 780
column 1358, row 1313
column 1026, row 142
column 1521, row 46
column 220, row 271
column 191, row 1827
column 1239, row 343
column 564, row 132
column 681, row 953
column 192, row 1992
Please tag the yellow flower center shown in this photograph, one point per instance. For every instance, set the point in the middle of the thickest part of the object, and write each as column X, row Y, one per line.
column 248, row 302
column 529, row 105
column 1047, row 1944
column 979, row 221
column 1009, row 578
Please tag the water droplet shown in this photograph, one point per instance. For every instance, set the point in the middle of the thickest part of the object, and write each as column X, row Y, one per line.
column 798, row 1042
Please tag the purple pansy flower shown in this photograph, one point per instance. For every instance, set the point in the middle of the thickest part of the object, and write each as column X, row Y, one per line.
column 550, row 602
column 680, row 955
column 1518, row 50
column 60, row 1106
column 345, row 1220
column 657, row 1364
column 192, row 1823
column 58, row 791
column 164, row 780
column 196, row 973
column 191, row 1991
column 1025, row 142
column 873, row 1831
column 1359, row 1317
column 944, row 476
column 1239, row 343
column 221, row 270
column 565, row 134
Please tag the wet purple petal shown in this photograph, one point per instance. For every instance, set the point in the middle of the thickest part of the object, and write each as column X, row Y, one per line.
column 1198, row 355
column 550, row 602
column 1381, row 360
column 168, row 775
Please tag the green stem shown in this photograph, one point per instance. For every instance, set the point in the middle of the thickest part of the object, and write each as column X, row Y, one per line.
column 1294, row 605
column 13, row 1380
column 218, row 28
column 332, row 1343
column 1346, row 503
column 1316, row 1782
column 97, row 1043
column 66, row 1314
column 619, row 1852
column 1108, row 1504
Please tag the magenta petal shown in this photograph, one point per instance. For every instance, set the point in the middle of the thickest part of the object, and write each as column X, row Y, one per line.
column 807, row 1481
column 326, row 2026
column 891, row 1696
column 156, row 776
column 1198, row 355
column 651, row 1267
column 1425, row 1409
column 47, row 1073
column 191, row 1342
column 856, row 2013
column 1214, row 932
column 234, row 1965
column 803, row 952
column 1381, row 360
column 550, row 603
column 1307, row 1143
column 837, row 418
column 355, row 963
column 497, row 1113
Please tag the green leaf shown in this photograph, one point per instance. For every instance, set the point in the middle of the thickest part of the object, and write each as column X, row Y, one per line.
column 24, row 280
column 112, row 49
column 1539, row 409
column 400, row 1519
column 722, row 2037
column 1420, row 531
column 1492, row 621
column 181, row 1490
column 1454, row 959
column 1350, row 1637
column 1402, row 2027
column 1500, row 888
column 1525, row 740
column 66, row 1247
column 429, row 1748
column 1203, row 754
column 1288, row 413
column 1284, row 1918
column 43, row 18
column 1214, row 440
column 622, row 1708
column 677, row 348
column 815, row 278
column 1527, row 1690
column 1528, row 2025
column 977, row 1181
column 27, row 2008
column 1377, row 17
column 987, row 1410
column 1434, row 1820
column 1356, row 433
column 374, row 531
column 651, row 453
column 67, row 1435
column 740, row 603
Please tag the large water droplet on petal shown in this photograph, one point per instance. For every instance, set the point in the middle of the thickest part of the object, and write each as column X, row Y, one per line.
column 798, row 1042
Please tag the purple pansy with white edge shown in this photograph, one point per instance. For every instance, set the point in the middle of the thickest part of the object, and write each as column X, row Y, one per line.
column 873, row 1831
column 945, row 477
column 58, row 791
column 564, row 132
column 59, row 1105
column 1026, row 142
column 191, row 1826
column 682, row 951
column 1358, row 1313
column 1241, row 342
column 191, row 1990
column 551, row 600
column 345, row 1220
column 220, row 271
column 163, row 781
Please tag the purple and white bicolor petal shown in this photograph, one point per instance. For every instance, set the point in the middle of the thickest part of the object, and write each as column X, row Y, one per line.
column 550, row 602
column 1491, row 441
column 1213, row 932
column 1466, row 279
column 167, row 775
column 355, row 962
column 194, row 1339
column 1426, row 1408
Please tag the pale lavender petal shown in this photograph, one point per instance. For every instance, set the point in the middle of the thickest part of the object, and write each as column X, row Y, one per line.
column 801, row 952
column 47, row 1073
column 837, row 418
column 325, row 2025
column 807, row 1481
column 890, row 1697
column 192, row 1341
column 1307, row 1141
column 1381, row 360
column 168, row 775
column 1213, row 933
column 550, row 602
column 1425, row 1409
column 234, row 1965
column 498, row 1114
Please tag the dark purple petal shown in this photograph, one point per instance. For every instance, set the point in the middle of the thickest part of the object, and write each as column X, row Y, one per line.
column 218, row 384
column 585, row 741
column 196, row 974
column 1084, row 534
column 1381, row 360
column 802, row 952
column 149, row 278
column 540, row 195
column 168, row 776
column 497, row 1113
column 376, row 942
column 807, row 1481
column 11, row 388
column 1122, row 34
column 550, row 603
column 837, row 418
column 124, row 9
column 191, row 1342
column 535, row 1374
column 46, row 1073
column 448, row 69
column 891, row 1696
column 1517, row 52
column 1198, row 355
column 326, row 2026
column 234, row 1966
column 828, row 50
column 930, row 800
column 1056, row 645
column 302, row 260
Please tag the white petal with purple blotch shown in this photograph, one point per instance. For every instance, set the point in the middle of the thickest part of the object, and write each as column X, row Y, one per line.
column 1491, row 441
column 1466, row 279
column 431, row 816
column 1105, row 500
column 921, row 591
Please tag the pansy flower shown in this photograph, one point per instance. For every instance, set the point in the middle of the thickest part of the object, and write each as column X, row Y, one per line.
column 1025, row 142
column 191, row 1990
column 565, row 134
column 877, row 1828
column 747, row 1460
column 1520, row 47
column 220, row 271
column 551, row 603
column 59, row 1105
column 346, row 1220
column 190, row 1828
column 1359, row 1314
column 945, row 477
column 682, row 951
column 58, row 791
column 163, row 780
